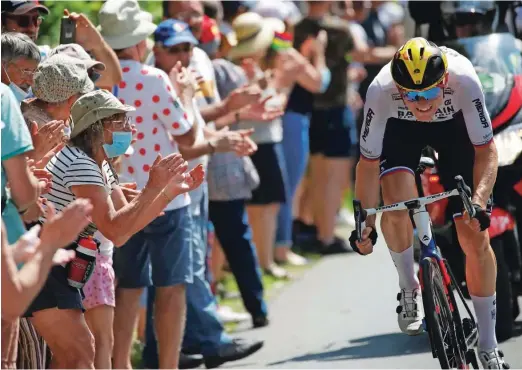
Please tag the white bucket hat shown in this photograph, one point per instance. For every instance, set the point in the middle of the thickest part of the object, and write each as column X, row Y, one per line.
column 123, row 24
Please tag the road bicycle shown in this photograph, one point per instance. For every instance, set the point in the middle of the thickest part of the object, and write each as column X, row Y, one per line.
column 452, row 338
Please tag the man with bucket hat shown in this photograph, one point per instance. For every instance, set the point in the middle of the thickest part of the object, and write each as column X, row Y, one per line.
column 159, row 116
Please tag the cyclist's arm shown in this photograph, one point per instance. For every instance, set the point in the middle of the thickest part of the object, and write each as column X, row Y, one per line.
column 478, row 124
column 367, row 184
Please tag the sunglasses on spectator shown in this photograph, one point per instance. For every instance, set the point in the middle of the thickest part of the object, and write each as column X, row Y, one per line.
column 414, row 96
column 24, row 20
column 183, row 48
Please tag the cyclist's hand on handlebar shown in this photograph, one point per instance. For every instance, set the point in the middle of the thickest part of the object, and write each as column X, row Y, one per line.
column 480, row 222
column 369, row 238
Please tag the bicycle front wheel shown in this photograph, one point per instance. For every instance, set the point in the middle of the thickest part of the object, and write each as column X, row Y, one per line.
column 439, row 317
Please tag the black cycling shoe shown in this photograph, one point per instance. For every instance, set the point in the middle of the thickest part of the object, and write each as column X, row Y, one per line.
column 234, row 351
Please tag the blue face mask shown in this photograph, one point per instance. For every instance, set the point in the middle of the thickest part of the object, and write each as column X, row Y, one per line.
column 120, row 143
column 18, row 92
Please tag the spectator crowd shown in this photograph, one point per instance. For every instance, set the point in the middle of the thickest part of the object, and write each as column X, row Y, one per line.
column 140, row 161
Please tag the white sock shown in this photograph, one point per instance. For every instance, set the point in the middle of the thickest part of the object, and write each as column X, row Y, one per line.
column 405, row 268
column 486, row 311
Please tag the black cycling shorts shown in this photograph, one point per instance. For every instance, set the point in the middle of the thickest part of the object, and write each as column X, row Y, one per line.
column 404, row 140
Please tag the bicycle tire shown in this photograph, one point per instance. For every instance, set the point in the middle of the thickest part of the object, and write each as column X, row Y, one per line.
column 438, row 316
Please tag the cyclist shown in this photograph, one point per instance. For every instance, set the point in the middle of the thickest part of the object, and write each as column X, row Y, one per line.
column 430, row 95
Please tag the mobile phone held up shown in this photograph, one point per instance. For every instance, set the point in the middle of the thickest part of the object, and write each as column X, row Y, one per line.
column 67, row 31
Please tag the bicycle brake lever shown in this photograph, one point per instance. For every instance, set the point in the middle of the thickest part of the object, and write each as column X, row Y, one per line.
column 360, row 217
column 465, row 194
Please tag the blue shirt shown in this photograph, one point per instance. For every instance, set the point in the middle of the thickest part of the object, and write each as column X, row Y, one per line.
column 16, row 140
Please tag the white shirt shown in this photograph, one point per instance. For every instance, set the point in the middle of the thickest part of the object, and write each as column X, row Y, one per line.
column 159, row 115
column 463, row 93
column 72, row 167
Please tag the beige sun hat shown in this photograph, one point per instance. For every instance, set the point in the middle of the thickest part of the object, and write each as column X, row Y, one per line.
column 94, row 106
column 254, row 34
column 123, row 24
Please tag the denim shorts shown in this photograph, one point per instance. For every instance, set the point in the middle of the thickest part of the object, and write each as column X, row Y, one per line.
column 158, row 255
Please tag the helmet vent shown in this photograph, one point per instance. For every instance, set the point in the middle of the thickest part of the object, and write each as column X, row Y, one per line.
column 422, row 53
column 410, row 54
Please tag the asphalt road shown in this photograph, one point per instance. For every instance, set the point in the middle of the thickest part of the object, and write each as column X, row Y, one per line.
column 341, row 314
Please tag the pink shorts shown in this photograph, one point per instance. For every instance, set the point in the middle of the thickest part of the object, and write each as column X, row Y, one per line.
column 100, row 289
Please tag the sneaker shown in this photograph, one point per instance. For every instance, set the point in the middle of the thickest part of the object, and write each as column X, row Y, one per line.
column 338, row 246
column 227, row 315
column 492, row 359
column 409, row 311
column 234, row 351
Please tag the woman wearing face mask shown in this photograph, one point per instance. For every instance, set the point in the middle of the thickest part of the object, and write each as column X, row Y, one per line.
column 101, row 131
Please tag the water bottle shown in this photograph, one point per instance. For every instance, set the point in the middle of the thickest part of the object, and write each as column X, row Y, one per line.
column 81, row 267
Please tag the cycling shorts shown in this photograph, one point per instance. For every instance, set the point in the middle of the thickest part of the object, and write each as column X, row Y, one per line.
column 404, row 140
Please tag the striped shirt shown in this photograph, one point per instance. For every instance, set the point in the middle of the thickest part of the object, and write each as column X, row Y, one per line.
column 72, row 167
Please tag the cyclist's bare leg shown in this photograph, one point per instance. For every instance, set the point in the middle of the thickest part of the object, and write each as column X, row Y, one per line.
column 398, row 233
column 396, row 226
column 481, row 273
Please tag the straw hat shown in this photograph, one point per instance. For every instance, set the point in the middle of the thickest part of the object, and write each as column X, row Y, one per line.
column 254, row 34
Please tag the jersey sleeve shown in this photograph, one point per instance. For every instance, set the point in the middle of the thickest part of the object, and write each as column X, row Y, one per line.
column 476, row 116
column 374, row 122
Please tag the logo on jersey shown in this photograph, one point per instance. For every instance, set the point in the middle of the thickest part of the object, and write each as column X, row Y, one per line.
column 480, row 110
column 397, row 96
column 448, row 91
column 447, row 102
column 441, row 113
column 367, row 122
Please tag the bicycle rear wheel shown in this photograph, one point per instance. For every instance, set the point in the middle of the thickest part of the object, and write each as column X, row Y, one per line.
column 439, row 318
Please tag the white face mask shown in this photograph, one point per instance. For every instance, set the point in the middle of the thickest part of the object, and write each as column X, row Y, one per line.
column 19, row 93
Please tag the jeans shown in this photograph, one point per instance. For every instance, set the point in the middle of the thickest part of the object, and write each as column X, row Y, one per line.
column 233, row 231
column 203, row 330
column 296, row 150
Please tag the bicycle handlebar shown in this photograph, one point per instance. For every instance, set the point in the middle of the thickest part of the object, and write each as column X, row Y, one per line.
column 462, row 190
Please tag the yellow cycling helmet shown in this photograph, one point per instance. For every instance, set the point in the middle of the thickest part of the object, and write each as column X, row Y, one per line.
column 419, row 65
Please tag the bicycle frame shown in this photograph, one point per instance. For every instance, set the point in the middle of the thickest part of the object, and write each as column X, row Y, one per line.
column 429, row 247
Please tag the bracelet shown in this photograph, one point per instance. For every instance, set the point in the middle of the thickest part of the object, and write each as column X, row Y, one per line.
column 166, row 196
column 211, row 146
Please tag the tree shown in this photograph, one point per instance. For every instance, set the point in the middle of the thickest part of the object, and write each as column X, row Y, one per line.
column 50, row 27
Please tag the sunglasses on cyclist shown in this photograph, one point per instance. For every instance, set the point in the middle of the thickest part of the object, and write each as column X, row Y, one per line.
column 24, row 20
column 182, row 48
column 429, row 94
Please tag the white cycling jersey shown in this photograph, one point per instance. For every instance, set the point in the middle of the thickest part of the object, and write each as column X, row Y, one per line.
column 462, row 93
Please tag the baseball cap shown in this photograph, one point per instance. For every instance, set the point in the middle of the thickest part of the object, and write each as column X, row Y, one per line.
column 59, row 77
column 209, row 30
column 22, row 6
column 94, row 106
column 173, row 32
column 78, row 52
